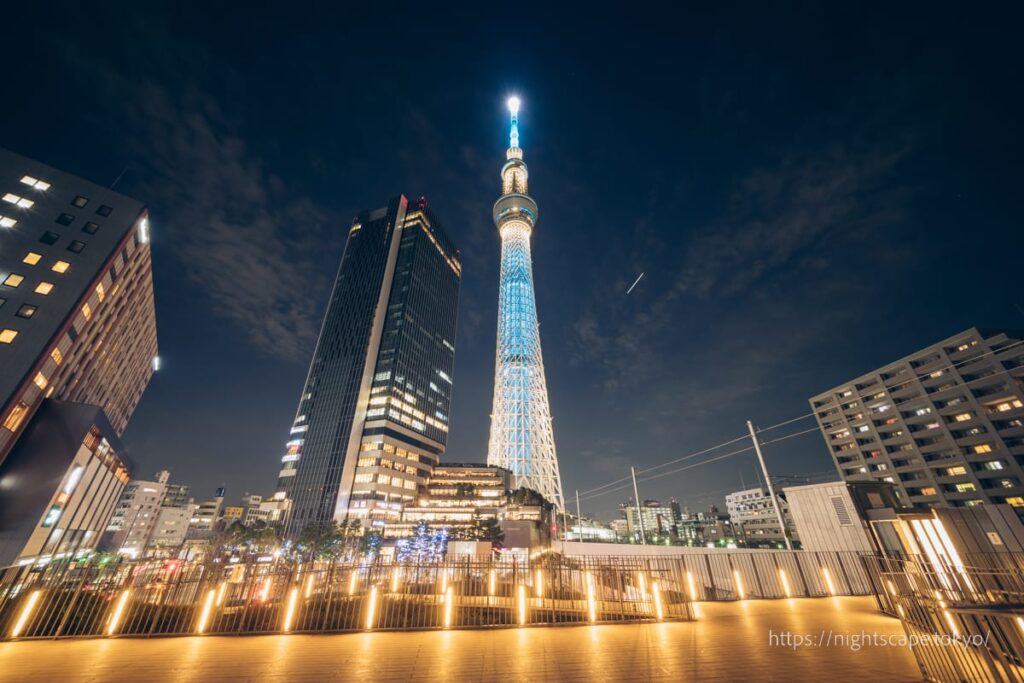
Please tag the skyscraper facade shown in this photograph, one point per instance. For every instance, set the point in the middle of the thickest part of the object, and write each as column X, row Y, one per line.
column 944, row 425
column 77, row 348
column 522, row 439
column 77, row 320
column 372, row 420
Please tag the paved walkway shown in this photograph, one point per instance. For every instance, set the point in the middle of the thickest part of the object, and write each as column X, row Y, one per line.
column 730, row 642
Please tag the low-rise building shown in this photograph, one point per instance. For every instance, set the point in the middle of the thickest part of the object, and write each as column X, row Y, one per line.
column 59, row 484
column 752, row 512
column 653, row 519
column 134, row 519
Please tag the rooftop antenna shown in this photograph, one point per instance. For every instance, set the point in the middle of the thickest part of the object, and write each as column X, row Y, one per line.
column 118, row 178
column 513, row 108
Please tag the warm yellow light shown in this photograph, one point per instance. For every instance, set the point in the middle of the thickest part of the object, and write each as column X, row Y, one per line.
column 739, row 583
column 899, row 608
column 492, row 583
column 395, row 576
column 643, row 584
column 289, row 613
column 26, row 612
column 892, row 589
column 265, row 594
column 444, row 581
column 828, row 581
column 115, row 618
column 692, row 585
column 204, row 616
column 539, row 583
column 951, row 622
column 371, row 612
column 309, row 585
column 449, row 598
column 658, row 611
column 220, row 593
column 353, row 579
column 591, row 603
column 522, row 605
column 785, row 583
column 1020, row 623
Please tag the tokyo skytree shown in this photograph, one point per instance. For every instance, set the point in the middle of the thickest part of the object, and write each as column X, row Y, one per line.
column 521, row 436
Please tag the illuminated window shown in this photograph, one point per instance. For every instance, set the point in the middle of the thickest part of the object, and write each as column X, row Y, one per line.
column 7, row 222
column 60, row 267
column 18, row 201
column 993, row 465
column 1015, row 501
column 962, row 417
column 100, row 292
column 44, row 288
column 13, row 280
column 16, row 415
column 26, row 311
column 1003, row 406
column 955, row 471
column 36, row 183
column 40, row 380
column 32, row 258
column 965, row 488
column 57, row 356
column 928, row 491
column 7, row 335
column 983, row 448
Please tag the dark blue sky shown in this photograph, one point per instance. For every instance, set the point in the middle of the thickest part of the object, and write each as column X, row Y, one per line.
column 811, row 191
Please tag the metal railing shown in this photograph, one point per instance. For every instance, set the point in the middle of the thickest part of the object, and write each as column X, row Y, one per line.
column 964, row 621
column 172, row 597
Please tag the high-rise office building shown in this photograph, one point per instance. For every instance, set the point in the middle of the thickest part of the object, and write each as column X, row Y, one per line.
column 372, row 420
column 944, row 425
column 522, row 439
column 77, row 321
column 77, row 349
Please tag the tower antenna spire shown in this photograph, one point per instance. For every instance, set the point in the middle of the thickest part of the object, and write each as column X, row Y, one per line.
column 513, row 135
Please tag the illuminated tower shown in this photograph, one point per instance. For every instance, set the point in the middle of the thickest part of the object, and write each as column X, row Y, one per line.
column 521, row 436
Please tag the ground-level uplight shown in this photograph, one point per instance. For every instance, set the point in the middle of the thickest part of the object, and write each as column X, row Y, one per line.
column 289, row 613
column 522, row 605
column 26, row 612
column 738, row 580
column 371, row 611
column 115, row 618
column 591, row 602
column 828, row 580
column 204, row 616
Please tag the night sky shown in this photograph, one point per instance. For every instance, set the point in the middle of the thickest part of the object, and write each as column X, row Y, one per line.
column 811, row 192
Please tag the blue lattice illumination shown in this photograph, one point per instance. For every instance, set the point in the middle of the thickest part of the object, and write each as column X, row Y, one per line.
column 521, row 437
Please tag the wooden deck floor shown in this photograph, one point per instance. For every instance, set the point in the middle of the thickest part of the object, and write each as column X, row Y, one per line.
column 728, row 642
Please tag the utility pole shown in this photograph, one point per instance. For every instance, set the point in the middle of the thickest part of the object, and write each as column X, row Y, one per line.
column 565, row 528
column 768, row 480
column 579, row 515
column 639, row 514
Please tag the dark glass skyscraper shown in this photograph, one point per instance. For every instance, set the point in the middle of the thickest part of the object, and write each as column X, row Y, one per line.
column 372, row 420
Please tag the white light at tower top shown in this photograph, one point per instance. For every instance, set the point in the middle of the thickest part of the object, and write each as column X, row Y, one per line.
column 513, row 105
